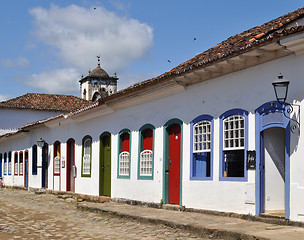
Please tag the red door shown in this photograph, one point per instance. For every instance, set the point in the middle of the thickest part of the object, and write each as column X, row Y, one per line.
column 174, row 132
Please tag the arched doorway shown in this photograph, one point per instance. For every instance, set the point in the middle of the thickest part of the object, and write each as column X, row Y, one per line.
column 105, row 165
column 70, row 166
column 273, row 166
column 172, row 162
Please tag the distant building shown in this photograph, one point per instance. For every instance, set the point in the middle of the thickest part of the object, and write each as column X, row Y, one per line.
column 32, row 107
column 97, row 84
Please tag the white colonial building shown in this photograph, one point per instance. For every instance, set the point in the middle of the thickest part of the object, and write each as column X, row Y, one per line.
column 208, row 134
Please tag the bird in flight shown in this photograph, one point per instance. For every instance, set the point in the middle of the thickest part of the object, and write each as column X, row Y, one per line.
column 94, row 8
column 169, row 61
column 194, row 39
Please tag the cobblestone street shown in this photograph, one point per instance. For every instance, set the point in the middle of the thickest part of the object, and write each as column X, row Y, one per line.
column 26, row 215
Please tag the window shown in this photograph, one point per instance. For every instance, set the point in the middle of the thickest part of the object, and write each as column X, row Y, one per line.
column 57, row 158
column 124, row 154
column 16, row 164
column 34, row 160
column 234, row 145
column 146, row 144
column 21, row 163
column 86, row 156
column 10, row 163
column 201, row 149
column 5, row 164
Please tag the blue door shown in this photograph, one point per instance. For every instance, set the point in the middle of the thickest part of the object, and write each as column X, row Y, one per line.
column 26, row 170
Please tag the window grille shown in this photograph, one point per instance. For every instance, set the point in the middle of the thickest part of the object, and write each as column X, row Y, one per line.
column 146, row 159
column 21, row 168
column 234, row 132
column 86, row 167
column 5, row 164
column 16, row 164
column 124, row 160
column 9, row 163
column 57, row 165
column 9, row 167
column 202, row 136
column 86, row 164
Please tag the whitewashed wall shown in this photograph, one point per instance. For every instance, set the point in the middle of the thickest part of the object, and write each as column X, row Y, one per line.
column 246, row 89
column 14, row 118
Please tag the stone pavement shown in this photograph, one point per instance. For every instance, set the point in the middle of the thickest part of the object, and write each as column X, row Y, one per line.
column 199, row 223
column 27, row 215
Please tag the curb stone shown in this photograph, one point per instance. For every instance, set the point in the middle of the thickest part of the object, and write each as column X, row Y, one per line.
column 204, row 232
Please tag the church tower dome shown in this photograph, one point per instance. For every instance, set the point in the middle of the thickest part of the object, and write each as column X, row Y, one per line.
column 98, row 84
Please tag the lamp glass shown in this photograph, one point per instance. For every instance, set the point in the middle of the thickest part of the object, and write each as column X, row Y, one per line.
column 281, row 89
column 40, row 142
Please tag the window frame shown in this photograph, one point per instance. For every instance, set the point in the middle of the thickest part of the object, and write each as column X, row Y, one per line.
column 120, row 151
column 34, row 159
column 9, row 163
column 225, row 115
column 5, row 166
column 140, row 150
column 56, row 145
column 21, row 163
column 87, row 137
column 198, row 119
column 16, row 163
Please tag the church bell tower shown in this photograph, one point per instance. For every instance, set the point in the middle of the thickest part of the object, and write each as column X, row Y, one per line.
column 98, row 84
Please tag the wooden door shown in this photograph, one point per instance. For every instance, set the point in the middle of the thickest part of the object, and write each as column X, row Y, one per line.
column 105, row 165
column 174, row 132
column 26, row 170
column 70, row 181
column 45, row 155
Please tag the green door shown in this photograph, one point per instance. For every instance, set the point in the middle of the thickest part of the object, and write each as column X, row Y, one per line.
column 105, row 165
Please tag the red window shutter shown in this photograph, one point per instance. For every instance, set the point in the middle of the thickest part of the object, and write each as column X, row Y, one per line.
column 125, row 142
column 148, row 139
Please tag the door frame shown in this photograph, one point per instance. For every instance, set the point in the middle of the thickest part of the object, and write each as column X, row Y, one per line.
column 165, row 194
column 284, row 123
column 101, row 159
column 68, row 165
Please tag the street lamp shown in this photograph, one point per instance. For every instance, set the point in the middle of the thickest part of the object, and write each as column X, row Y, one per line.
column 40, row 142
column 280, row 86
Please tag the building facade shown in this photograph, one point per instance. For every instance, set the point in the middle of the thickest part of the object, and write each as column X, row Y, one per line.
column 208, row 134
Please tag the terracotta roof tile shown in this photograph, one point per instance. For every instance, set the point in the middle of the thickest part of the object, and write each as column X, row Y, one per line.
column 46, row 102
column 231, row 47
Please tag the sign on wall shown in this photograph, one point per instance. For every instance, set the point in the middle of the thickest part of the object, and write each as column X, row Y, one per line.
column 251, row 160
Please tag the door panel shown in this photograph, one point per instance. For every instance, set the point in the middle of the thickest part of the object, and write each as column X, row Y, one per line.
column 70, row 164
column 105, row 166
column 174, row 132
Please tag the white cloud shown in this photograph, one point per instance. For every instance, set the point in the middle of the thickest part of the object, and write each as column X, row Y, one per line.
column 4, row 97
column 80, row 34
column 56, row 81
column 19, row 62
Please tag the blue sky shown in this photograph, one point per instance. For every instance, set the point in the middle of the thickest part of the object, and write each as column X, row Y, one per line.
column 47, row 45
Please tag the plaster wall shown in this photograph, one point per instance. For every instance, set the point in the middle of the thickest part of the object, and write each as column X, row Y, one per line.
column 14, row 118
column 246, row 89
